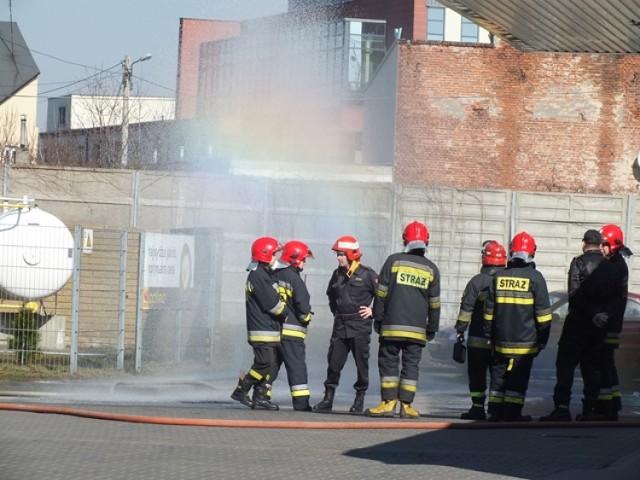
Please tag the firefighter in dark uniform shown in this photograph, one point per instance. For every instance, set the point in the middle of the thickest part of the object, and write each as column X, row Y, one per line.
column 517, row 319
column 291, row 351
column 350, row 291
column 579, row 335
column 406, row 315
column 479, row 354
column 266, row 312
column 609, row 283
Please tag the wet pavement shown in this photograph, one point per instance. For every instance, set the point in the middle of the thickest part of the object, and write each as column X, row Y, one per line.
column 187, row 427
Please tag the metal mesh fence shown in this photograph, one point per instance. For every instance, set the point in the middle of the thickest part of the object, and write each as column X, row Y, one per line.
column 36, row 255
column 103, row 313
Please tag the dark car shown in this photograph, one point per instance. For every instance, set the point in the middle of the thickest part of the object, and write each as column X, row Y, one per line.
column 440, row 350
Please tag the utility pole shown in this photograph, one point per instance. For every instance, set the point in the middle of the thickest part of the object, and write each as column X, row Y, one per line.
column 127, row 70
column 127, row 73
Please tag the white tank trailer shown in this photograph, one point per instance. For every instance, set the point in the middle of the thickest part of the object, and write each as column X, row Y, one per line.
column 36, row 252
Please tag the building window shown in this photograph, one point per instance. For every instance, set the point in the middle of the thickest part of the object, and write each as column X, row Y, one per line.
column 435, row 21
column 468, row 31
column 62, row 116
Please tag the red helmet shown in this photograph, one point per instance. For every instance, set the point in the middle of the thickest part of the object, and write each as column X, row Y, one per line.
column 295, row 252
column 348, row 245
column 493, row 253
column 523, row 242
column 416, row 235
column 612, row 236
column 264, row 248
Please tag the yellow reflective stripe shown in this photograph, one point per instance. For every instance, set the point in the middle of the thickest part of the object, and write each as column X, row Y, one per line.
column 516, row 351
column 488, row 317
column 612, row 341
column 516, row 400
column 285, row 290
column 278, row 309
column 255, row 374
column 434, row 304
column 307, row 318
column 544, row 318
column 381, row 294
column 389, row 385
column 403, row 334
column 514, row 300
column 293, row 333
column 495, row 399
column 408, row 388
column 300, row 393
column 264, row 336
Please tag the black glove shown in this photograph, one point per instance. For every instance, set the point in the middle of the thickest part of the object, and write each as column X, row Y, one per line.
column 376, row 326
column 431, row 336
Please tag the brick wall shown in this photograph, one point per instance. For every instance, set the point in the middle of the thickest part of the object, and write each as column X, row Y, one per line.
column 495, row 117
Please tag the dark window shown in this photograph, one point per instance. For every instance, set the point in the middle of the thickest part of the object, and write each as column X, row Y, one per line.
column 62, row 116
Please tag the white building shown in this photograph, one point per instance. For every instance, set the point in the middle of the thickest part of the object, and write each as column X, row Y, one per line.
column 18, row 97
column 72, row 112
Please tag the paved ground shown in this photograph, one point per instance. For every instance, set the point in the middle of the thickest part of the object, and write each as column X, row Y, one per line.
column 188, row 428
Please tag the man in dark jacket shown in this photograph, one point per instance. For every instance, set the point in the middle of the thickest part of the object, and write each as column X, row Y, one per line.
column 608, row 285
column 406, row 315
column 266, row 312
column 579, row 335
column 292, row 350
column 350, row 291
column 494, row 258
column 517, row 319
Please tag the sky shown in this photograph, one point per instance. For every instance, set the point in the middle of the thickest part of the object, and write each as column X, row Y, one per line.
column 71, row 40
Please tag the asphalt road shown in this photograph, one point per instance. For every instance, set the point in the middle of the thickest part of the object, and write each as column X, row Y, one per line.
column 186, row 427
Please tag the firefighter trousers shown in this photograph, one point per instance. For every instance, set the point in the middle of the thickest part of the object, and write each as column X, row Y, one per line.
column 292, row 353
column 264, row 363
column 396, row 383
column 608, row 399
column 478, row 365
column 339, row 349
column 509, row 382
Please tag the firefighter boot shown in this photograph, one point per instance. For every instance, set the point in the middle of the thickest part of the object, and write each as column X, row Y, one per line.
column 261, row 400
column 495, row 411
column 407, row 411
column 241, row 393
column 326, row 405
column 559, row 414
column 513, row 413
column 604, row 411
column 301, row 404
column 474, row 413
column 588, row 414
column 358, row 402
column 387, row 408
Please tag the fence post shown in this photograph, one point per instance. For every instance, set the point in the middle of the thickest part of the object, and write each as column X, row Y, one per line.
column 139, row 305
column 75, row 300
column 122, row 298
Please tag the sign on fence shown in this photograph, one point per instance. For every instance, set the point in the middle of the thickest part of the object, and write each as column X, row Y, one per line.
column 168, row 270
